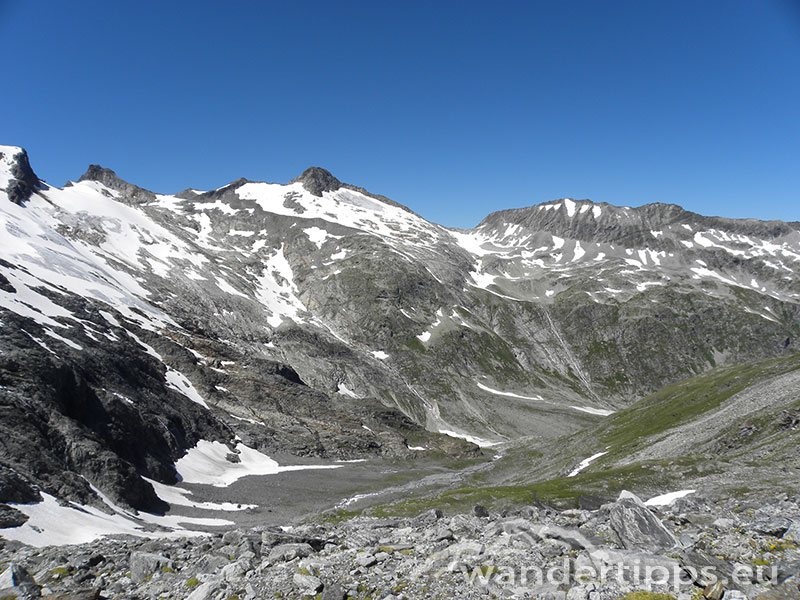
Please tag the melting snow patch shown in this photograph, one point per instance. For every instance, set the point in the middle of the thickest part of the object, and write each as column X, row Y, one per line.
column 586, row 462
column 666, row 499
column 345, row 391
column 50, row 523
column 579, row 251
column 177, row 496
column 318, row 236
column 482, row 280
column 241, row 232
column 509, row 394
column 698, row 237
column 277, row 291
column 207, row 463
column 178, row 382
column 380, row 354
column 227, row 287
column 594, row 411
column 470, row 438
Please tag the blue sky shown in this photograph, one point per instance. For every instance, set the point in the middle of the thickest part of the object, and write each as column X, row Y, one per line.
column 455, row 109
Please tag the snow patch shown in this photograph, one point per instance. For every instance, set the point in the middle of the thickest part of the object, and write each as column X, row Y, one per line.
column 470, row 438
column 667, row 499
column 586, row 462
column 207, row 463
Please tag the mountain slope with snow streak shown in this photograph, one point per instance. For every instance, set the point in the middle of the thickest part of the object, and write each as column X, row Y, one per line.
column 316, row 318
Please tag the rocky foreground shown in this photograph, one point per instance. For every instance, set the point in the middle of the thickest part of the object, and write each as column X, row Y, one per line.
column 690, row 549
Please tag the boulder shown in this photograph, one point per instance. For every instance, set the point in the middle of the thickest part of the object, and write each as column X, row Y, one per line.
column 307, row 583
column 636, row 527
column 143, row 564
column 205, row 591
column 287, row 552
column 793, row 532
column 16, row 581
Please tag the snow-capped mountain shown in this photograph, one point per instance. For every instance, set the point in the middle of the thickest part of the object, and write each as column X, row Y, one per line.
column 319, row 319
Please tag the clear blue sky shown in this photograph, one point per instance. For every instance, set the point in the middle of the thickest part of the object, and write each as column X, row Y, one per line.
column 455, row 109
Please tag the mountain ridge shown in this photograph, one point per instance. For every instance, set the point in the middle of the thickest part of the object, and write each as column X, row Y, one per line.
column 344, row 326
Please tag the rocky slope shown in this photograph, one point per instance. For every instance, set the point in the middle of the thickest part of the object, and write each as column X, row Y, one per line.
column 664, row 549
column 317, row 319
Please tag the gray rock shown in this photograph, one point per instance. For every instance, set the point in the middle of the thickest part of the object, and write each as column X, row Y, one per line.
column 236, row 570
column 366, row 560
column 637, row 528
column 11, row 517
column 18, row 581
column 793, row 532
column 144, row 564
column 776, row 527
column 333, row 591
column 724, row 524
column 714, row 591
column 206, row 591
column 286, row 552
column 307, row 583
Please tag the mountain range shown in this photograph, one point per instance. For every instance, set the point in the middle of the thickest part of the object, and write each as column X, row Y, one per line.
column 315, row 319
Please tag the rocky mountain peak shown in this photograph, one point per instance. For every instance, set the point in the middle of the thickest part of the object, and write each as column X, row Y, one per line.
column 110, row 179
column 317, row 180
column 17, row 178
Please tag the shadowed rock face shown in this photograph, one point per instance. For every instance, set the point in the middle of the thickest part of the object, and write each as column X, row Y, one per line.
column 23, row 181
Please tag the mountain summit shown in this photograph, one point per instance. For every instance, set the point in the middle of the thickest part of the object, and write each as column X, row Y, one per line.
column 317, row 180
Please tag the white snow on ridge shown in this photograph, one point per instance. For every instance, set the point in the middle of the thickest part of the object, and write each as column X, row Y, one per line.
column 380, row 354
column 343, row 206
column 586, row 462
column 52, row 262
column 217, row 205
column 206, row 463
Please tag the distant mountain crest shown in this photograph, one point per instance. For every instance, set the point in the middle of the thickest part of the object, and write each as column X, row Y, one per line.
column 110, row 179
